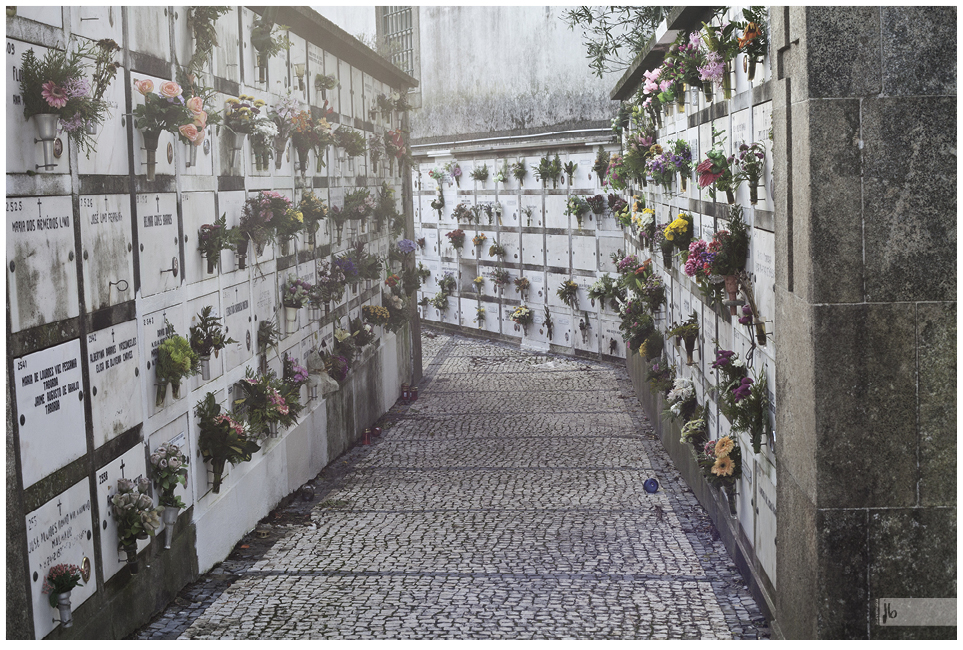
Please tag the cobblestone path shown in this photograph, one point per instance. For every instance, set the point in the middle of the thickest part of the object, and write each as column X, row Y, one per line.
column 506, row 503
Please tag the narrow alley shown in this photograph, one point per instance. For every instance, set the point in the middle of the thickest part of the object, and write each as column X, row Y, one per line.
column 507, row 502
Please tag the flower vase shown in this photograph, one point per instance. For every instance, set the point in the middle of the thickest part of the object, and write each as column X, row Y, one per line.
column 727, row 81
column 707, row 91
column 684, row 181
column 680, row 103
column 261, row 68
column 235, row 142
column 47, row 130
column 749, row 67
column 169, row 517
column 150, row 144
column 689, row 349
column 667, row 257
column 730, row 197
column 314, row 311
column 280, row 144
column 732, row 289
column 161, row 396
column 217, row 469
column 211, row 264
column 273, row 430
column 131, row 551
column 242, row 253
column 63, row 606
column 175, row 390
column 191, row 156
column 291, row 319
column 303, row 159
column 206, row 367
column 753, row 194
column 285, row 247
column 312, row 240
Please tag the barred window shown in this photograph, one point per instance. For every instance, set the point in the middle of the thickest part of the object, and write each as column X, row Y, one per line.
column 397, row 37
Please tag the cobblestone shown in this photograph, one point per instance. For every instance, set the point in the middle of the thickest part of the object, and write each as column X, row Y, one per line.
column 506, row 503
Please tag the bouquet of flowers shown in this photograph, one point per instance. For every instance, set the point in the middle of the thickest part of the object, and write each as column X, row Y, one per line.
column 454, row 169
column 521, row 285
column 601, row 162
column 659, row 166
column 661, row 376
column 681, row 400
column 721, row 462
column 519, row 171
column 653, row 293
column 457, row 238
column 681, row 158
column 743, row 400
column 716, row 170
column 267, row 402
column 293, row 374
column 222, row 438
column 375, row 315
column 479, row 283
column 577, row 207
column 447, row 283
column 568, row 292
column 522, row 315
column 330, row 285
column 636, row 323
column 480, row 173
column 169, row 469
column 134, row 511
column 679, row 232
column 645, row 222
column 501, row 277
column 438, row 203
column 569, row 169
column 175, row 360
column 207, row 336
column 313, row 210
column 214, row 238
column 616, row 176
column 731, row 246
column 479, row 239
column 295, row 292
column 606, row 288
column 440, row 301
column 164, row 111
column 260, row 214
column 751, row 163
column 596, row 203
column 288, row 225
column 754, row 42
column 461, row 212
column 61, row 579
column 497, row 250
column 263, row 133
column 353, row 142
column 240, row 113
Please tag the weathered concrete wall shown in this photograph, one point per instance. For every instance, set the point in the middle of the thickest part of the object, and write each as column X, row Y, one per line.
column 91, row 249
column 503, row 69
column 864, row 118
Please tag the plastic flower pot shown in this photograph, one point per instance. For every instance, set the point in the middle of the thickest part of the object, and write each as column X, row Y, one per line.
column 689, row 349
column 63, row 606
column 280, row 144
column 161, row 396
column 303, row 159
column 176, row 390
column 47, row 130
column 242, row 253
column 150, row 144
column 205, row 368
column 290, row 319
column 366, row 437
column 169, row 516
column 191, row 156
column 753, row 194
column 707, row 91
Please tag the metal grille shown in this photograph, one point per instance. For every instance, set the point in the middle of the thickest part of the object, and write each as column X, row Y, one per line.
column 398, row 35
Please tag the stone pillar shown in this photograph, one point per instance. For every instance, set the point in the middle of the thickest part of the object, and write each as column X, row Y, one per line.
column 864, row 119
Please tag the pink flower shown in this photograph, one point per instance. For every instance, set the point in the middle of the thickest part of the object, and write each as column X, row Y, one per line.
column 144, row 87
column 200, row 119
column 199, row 139
column 169, row 89
column 665, row 85
column 650, row 87
column 189, row 131
column 54, row 94
column 195, row 105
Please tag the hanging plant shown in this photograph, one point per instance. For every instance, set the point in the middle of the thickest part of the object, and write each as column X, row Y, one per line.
column 480, row 173
column 200, row 20
column 601, row 163
column 568, row 292
column 570, row 168
column 268, row 39
column 519, row 171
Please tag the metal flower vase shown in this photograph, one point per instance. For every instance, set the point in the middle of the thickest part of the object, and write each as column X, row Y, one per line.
column 273, row 431
column 205, row 369
column 161, row 395
column 47, row 130
column 242, row 253
column 235, row 142
column 732, row 290
column 169, row 516
column 130, row 550
column 150, row 144
column 63, row 606
column 280, row 144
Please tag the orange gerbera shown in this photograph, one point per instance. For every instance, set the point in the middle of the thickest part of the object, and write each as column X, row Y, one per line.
column 724, row 446
column 752, row 32
column 724, row 467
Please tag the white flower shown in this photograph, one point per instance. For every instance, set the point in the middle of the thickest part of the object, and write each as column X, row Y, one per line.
column 738, row 363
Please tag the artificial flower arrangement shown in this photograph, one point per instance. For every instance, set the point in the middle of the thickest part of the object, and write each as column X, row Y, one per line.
column 568, row 293
column 313, row 210
column 357, row 264
column 720, row 260
column 168, row 470
column 479, row 283
column 742, row 399
column 664, row 245
column 648, row 95
column 437, row 174
column 645, row 222
column 653, row 293
column 362, row 333
column 577, row 207
column 528, row 210
column 241, row 113
column 519, row 171
column 207, row 337
column 659, row 166
column 569, row 169
column 462, row 212
column 716, row 170
column 57, row 86
column 480, row 173
column 61, row 579
column 607, row 289
column 456, row 238
column 359, row 204
column 222, row 438
column 267, row 402
column 212, row 238
column 423, row 272
column 681, row 160
column 751, row 162
column 754, row 42
column 454, row 171
column 293, row 374
column 440, row 301
column 134, row 512
column 549, row 169
column 438, row 203
column 596, row 203
column 399, row 311
column 626, row 264
column 375, row 314
column 721, row 40
column 330, row 284
column 661, row 376
column 324, row 82
column 522, row 285
column 352, row 142
column 268, row 40
column 681, row 400
column 522, row 315
column 638, row 151
column 480, row 315
column 287, row 226
column 395, row 149
column 688, row 333
column 167, row 111
column 497, row 250
column 636, row 325
column 175, row 361
column 447, row 283
column 721, row 463
column 309, row 133
column 406, row 246
column 616, row 176
column 501, row 277
column 268, row 335
column 263, row 133
column 295, row 292
column 260, row 215
column 679, row 232
column 479, row 239
column 601, row 163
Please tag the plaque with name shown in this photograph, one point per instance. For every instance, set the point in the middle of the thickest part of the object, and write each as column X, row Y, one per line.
column 50, row 410
column 59, row 532
column 131, row 465
column 159, row 236
column 108, row 260
column 41, row 266
column 113, row 365
column 178, row 433
column 155, row 331
column 198, row 209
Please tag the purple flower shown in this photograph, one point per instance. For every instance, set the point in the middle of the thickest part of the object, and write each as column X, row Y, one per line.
column 76, row 88
column 407, row 246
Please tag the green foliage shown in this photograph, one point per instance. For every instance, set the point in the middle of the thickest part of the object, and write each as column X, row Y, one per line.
column 222, row 438
column 176, row 359
column 614, row 36
column 206, row 336
column 201, row 21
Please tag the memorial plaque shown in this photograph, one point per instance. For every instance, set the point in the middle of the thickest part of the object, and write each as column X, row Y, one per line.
column 158, row 235
column 557, row 253
column 109, row 154
column 130, row 465
column 108, row 260
column 23, row 154
column 155, row 331
column 41, row 270
column 225, row 61
column 113, row 365
column 555, row 216
column 765, row 525
column 532, row 249
column 587, row 338
column 149, row 32
column 238, row 324
column 59, row 532
column 50, row 410
column 584, row 256
column 536, row 292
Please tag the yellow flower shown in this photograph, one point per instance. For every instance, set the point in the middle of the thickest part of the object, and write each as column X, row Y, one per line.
column 231, row 101
column 724, row 446
column 648, row 211
column 642, row 348
column 724, row 467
